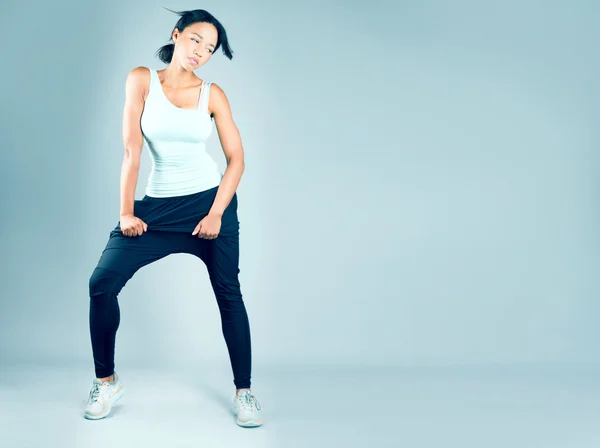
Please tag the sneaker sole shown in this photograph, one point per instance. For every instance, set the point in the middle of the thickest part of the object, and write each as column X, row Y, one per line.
column 249, row 423
column 113, row 400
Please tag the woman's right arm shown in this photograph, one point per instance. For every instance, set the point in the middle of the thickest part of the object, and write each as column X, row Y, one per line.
column 135, row 92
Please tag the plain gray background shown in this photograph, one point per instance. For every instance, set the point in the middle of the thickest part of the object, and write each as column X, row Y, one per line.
column 421, row 183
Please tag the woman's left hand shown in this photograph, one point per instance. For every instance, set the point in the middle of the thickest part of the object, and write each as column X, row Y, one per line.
column 209, row 227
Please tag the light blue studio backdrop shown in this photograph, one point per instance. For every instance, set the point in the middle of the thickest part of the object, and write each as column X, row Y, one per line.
column 421, row 182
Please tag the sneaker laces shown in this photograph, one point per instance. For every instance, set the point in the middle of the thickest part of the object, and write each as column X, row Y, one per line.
column 248, row 401
column 95, row 392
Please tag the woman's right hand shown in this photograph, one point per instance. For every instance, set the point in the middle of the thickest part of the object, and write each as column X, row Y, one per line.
column 132, row 226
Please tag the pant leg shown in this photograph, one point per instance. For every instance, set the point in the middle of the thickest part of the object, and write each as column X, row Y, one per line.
column 121, row 258
column 221, row 257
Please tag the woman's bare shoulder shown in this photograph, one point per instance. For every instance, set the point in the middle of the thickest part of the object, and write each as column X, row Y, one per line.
column 138, row 79
column 139, row 73
column 217, row 95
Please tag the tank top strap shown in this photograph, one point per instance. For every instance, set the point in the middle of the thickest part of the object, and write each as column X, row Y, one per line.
column 203, row 100
column 202, row 87
column 153, row 80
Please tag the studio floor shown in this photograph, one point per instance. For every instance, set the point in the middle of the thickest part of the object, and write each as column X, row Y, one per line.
column 508, row 406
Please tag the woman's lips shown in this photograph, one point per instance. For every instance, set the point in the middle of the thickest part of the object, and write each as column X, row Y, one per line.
column 195, row 61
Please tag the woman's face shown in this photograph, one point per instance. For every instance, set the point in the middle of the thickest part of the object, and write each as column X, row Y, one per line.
column 195, row 44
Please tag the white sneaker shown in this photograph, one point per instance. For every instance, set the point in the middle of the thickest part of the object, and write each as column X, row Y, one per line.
column 102, row 396
column 246, row 408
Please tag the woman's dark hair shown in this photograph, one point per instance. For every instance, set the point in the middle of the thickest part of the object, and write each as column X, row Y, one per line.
column 165, row 53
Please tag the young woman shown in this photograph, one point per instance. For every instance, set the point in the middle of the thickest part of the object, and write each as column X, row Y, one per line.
column 189, row 206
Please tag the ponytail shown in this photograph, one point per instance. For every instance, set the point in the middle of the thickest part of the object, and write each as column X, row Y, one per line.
column 165, row 53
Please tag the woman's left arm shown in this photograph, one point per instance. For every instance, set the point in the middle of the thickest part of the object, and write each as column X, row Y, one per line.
column 231, row 143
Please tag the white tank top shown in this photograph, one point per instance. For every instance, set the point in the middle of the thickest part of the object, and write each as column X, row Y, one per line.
column 176, row 139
